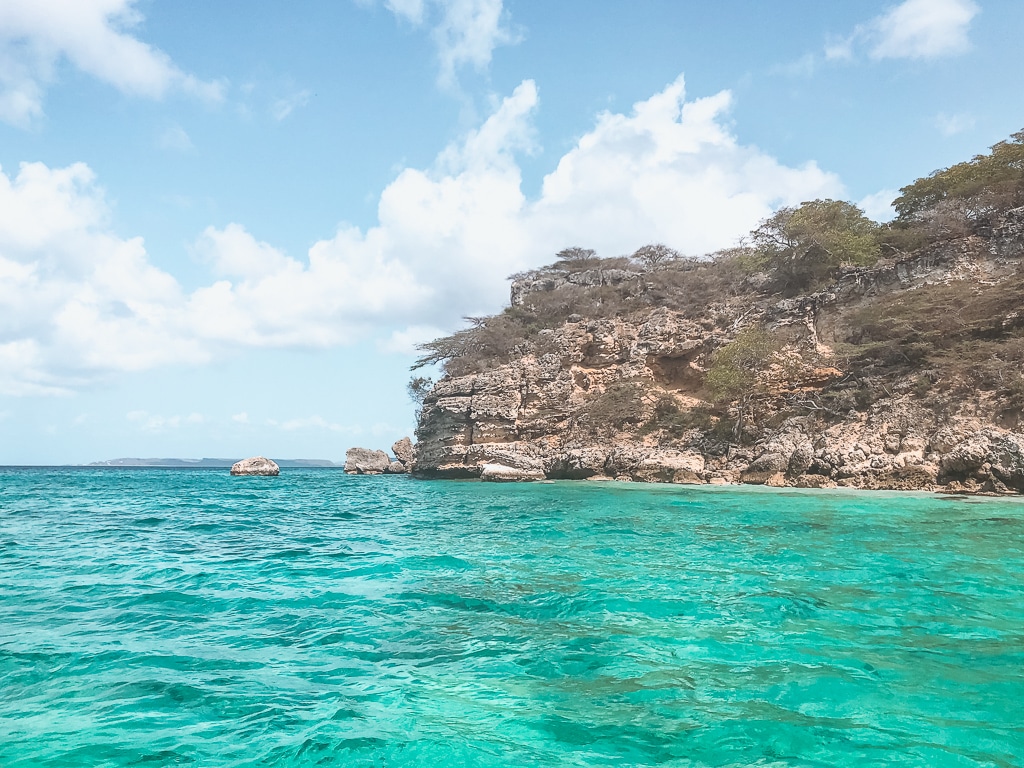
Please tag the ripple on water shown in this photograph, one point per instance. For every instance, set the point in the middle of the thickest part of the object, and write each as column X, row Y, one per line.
column 318, row 619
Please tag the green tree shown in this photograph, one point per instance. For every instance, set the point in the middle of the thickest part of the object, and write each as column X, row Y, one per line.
column 804, row 246
column 418, row 388
column 983, row 184
column 734, row 373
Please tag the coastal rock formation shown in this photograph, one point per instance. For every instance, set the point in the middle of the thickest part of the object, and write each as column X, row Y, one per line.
column 364, row 461
column 257, row 465
column 404, row 451
column 852, row 394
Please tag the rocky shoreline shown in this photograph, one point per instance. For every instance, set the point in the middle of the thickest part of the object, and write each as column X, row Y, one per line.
column 536, row 416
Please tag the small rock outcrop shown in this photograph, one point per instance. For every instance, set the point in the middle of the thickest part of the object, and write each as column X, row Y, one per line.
column 364, row 461
column 404, row 451
column 257, row 465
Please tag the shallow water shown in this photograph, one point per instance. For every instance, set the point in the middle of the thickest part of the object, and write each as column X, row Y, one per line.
column 168, row 617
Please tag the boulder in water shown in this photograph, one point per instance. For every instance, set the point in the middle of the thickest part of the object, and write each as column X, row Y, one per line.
column 257, row 465
column 363, row 461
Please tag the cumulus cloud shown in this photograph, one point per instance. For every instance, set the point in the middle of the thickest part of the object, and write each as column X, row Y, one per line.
column 77, row 300
column 914, row 29
column 465, row 32
column 92, row 35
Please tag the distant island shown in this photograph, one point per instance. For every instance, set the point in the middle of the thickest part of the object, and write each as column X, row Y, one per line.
column 824, row 350
column 206, row 463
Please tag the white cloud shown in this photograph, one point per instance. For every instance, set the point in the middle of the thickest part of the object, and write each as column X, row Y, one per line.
column 924, row 29
column 840, row 49
column 93, row 36
column 468, row 33
column 284, row 107
column 404, row 341
column 175, row 139
column 951, row 125
column 241, row 418
column 77, row 301
column 878, row 205
column 312, row 422
column 465, row 32
column 914, row 29
column 149, row 422
column 805, row 66
column 410, row 10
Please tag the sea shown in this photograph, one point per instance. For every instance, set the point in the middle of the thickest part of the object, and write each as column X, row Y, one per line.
column 153, row 617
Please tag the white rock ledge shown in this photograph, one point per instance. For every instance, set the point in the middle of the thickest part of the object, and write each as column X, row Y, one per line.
column 499, row 473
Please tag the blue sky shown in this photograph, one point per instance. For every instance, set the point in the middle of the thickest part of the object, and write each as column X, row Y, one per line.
column 223, row 226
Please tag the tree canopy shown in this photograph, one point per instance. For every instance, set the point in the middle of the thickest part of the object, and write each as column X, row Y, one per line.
column 984, row 184
column 803, row 245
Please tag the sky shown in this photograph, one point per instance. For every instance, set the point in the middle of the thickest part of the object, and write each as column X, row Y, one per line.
column 224, row 226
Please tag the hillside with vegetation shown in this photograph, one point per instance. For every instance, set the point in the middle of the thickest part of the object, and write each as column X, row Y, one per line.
column 823, row 349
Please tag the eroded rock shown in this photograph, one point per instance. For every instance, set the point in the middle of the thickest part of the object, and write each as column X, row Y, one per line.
column 499, row 473
column 404, row 451
column 256, row 465
column 364, row 461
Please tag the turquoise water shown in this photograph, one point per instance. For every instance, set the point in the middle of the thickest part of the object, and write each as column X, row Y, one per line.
column 162, row 617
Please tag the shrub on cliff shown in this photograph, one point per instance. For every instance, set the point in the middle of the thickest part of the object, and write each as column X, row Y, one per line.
column 619, row 406
column 675, row 422
column 734, row 375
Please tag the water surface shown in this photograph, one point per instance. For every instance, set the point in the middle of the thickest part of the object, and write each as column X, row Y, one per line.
column 170, row 617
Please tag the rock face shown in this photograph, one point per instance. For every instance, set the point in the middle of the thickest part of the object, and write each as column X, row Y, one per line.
column 364, row 461
column 257, row 465
column 537, row 414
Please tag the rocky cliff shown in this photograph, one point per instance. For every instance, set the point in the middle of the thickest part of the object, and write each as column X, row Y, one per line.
column 902, row 375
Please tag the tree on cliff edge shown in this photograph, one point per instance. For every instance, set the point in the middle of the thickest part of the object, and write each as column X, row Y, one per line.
column 802, row 247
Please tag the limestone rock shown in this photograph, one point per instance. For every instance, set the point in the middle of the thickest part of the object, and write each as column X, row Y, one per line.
column 499, row 473
column 668, row 466
column 579, row 463
column 404, row 451
column 764, row 467
column 257, row 465
column 363, row 461
column 396, row 468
